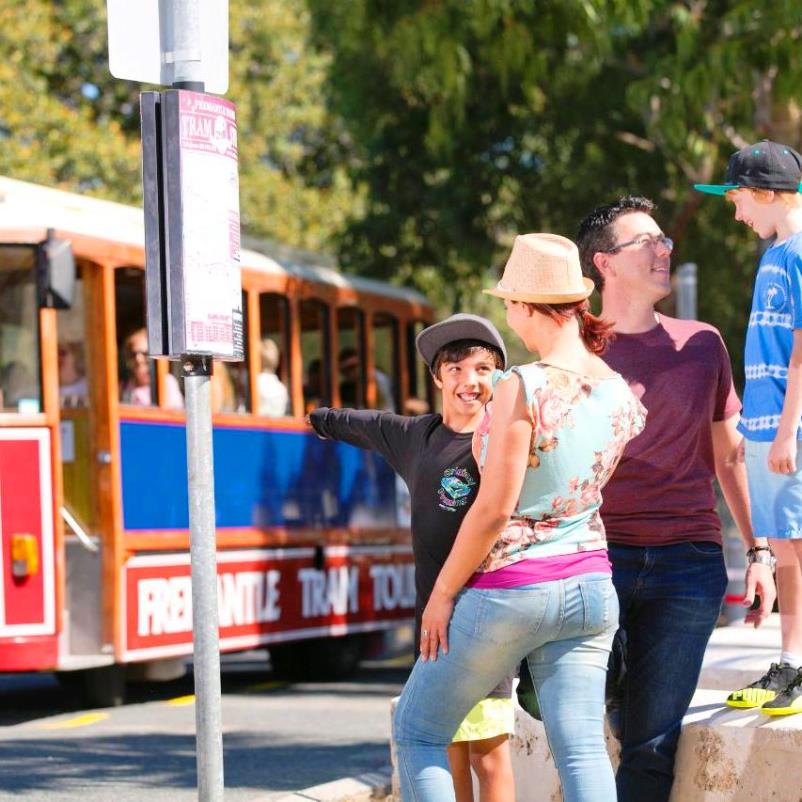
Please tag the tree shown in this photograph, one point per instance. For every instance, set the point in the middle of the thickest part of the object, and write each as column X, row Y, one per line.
column 54, row 128
column 66, row 122
column 476, row 120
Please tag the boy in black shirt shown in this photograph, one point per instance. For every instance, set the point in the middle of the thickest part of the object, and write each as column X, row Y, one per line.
column 432, row 454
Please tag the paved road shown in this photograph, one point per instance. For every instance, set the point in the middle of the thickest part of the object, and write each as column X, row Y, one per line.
column 277, row 738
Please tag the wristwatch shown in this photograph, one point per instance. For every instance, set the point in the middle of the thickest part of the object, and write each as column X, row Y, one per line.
column 761, row 554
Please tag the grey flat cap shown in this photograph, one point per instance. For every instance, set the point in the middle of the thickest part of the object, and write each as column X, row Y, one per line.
column 461, row 326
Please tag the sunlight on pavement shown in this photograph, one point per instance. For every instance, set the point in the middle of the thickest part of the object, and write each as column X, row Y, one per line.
column 181, row 701
column 79, row 721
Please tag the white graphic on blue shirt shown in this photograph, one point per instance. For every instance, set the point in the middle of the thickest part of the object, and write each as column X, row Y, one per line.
column 455, row 488
column 774, row 297
column 776, row 312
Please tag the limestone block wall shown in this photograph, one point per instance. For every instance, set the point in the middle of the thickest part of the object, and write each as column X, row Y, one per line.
column 724, row 755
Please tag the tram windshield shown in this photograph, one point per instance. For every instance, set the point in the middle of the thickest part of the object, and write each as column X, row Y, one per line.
column 20, row 376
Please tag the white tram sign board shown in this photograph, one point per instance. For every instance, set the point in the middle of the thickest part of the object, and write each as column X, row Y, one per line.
column 140, row 37
column 192, row 225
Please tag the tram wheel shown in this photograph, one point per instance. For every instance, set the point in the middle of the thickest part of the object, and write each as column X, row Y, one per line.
column 103, row 686
column 321, row 659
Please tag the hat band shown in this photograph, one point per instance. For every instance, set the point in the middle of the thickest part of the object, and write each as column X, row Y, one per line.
column 501, row 288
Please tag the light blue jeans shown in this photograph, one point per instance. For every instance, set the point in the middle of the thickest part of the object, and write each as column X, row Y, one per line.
column 565, row 630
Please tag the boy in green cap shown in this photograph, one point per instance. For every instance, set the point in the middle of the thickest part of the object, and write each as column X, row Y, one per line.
column 763, row 181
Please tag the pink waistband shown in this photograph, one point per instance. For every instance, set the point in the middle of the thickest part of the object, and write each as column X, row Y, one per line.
column 543, row 569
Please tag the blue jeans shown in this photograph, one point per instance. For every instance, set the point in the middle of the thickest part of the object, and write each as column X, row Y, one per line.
column 670, row 599
column 564, row 629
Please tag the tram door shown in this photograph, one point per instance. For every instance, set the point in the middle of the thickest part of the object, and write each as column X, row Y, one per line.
column 27, row 549
column 77, row 350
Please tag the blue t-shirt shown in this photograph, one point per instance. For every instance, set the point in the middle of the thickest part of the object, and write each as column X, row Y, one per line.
column 776, row 312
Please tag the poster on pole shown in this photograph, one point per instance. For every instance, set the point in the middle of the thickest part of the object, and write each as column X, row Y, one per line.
column 194, row 286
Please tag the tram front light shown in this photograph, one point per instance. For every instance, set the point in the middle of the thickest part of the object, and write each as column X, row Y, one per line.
column 24, row 556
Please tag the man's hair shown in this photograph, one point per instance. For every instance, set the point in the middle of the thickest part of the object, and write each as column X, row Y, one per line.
column 596, row 231
column 458, row 350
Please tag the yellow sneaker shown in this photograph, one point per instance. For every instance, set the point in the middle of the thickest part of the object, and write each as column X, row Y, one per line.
column 756, row 694
column 786, row 702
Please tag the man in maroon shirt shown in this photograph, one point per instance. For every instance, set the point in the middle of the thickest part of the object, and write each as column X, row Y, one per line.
column 659, row 511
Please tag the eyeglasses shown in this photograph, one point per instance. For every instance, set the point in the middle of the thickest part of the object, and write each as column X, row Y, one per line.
column 644, row 241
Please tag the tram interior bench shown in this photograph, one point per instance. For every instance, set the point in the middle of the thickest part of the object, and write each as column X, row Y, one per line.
column 724, row 755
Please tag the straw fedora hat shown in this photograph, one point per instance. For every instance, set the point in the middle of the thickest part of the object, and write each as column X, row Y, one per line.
column 545, row 269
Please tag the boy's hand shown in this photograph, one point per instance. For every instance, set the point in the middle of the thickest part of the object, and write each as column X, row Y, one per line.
column 782, row 454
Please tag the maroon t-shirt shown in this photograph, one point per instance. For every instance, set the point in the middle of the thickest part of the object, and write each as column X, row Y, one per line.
column 662, row 490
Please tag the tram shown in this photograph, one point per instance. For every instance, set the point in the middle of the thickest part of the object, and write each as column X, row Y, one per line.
column 313, row 546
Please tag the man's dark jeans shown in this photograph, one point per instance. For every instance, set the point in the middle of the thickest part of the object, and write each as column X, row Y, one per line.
column 670, row 598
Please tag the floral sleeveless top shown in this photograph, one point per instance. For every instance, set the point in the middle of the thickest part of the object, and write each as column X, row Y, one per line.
column 581, row 425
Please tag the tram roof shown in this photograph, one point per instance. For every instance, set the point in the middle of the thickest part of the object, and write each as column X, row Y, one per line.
column 24, row 206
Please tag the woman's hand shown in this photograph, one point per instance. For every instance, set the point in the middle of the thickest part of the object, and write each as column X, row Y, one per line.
column 434, row 625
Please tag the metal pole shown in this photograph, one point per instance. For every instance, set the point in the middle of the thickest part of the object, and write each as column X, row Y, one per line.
column 685, row 285
column 183, row 42
column 183, row 51
column 208, row 714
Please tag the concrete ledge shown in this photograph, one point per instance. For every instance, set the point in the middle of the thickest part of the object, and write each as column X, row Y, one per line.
column 724, row 755
column 728, row 755
column 370, row 787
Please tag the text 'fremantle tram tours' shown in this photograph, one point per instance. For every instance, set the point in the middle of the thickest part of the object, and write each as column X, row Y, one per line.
column 313, row 544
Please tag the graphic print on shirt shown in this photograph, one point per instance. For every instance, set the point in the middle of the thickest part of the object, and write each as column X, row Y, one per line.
column 455, row 488
column 774, row 316
column 773, row 297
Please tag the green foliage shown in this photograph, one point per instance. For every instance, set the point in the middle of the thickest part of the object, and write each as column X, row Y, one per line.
column 50, row 132
column 66, row 122
column 473, row 120
column 418, row 136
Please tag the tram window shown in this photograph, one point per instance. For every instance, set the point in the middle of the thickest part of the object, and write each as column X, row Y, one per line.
column 273, row 380
column 20, row 382
column 419, row 401
column 230, row 382
column 137, row 370
column 72, row 357
column 315, row 354
column 385, row 345
column 351, row 357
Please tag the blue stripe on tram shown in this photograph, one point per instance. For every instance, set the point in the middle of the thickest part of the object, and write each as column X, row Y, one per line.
column 262, row 478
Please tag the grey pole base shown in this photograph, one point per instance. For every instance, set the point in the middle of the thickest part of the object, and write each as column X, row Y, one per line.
column 208, row 708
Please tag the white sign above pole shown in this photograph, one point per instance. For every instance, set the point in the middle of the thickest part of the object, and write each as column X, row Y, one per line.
column 141, row 49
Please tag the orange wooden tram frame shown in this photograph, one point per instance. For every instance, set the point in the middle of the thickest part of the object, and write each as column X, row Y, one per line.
column 99, row 257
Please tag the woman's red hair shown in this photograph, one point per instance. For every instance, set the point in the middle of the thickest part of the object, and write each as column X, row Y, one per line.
column 595, row 332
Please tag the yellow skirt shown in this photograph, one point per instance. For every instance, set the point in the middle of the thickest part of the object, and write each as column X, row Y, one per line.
column 489, row 718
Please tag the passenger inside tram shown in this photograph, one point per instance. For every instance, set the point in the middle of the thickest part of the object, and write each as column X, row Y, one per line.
column 313, row 386
column 136, row 387
column 18, row 388
column 274, row 399
column 224, row 398
column 350, row 378
column 71, row 374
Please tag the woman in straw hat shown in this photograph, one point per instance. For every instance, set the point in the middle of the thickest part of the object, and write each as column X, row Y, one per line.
column 528, row 576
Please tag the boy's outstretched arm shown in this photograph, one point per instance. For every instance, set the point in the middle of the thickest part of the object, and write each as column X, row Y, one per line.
column 731, row 475
column 375, row 430
column 782, row 454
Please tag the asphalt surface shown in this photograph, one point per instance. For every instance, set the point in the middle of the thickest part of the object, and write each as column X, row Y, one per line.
column 277, row 738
